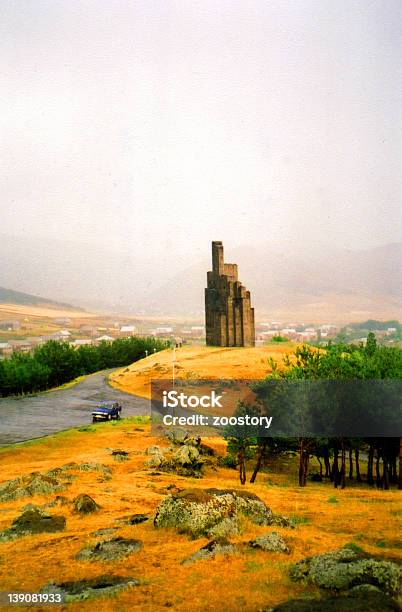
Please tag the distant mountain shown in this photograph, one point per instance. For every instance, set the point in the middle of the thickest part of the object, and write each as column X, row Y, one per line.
column 9, row 296
column 313, row 282
column 302, row 279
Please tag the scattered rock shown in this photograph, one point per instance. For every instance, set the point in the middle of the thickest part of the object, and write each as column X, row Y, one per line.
column 59, row 500
column 109, row 550
column 136, row 519
column 102, row 586
column 153, row 450
column 346, row 568
column 120, row 455
column 177, row 435
column 211, row 550
column 133, row 519
column 104, row 532
column 156, row 460
column 85, row 504
column 32, row 484
column 369, row 600
column 271, row 542
column 211, row 512
column 32, row 521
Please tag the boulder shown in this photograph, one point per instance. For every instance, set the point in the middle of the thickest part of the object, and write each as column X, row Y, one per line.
column 270, row 542
column 85, row 504
column 81, row 590
column 211, row 550
column 211, row 512
column 32, row 521
column 369, row 599
column 109, row 550
column 343, row 569
column 32, row 484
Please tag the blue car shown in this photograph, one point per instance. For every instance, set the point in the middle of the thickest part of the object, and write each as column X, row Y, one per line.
column 106, row 412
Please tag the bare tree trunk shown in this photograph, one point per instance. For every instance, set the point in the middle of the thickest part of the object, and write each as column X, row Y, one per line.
column 242, row 466
column 377, row 471
column 327, row 465
column 358, row 477
column 370, row 478
column 343, row 466
column 320, row 462
column 303, row 463
column 335, row 469
column 260, row 456
column 305, row 472
column 350, row 464
column 400, row 464
column 301, row 467
column 385, row 473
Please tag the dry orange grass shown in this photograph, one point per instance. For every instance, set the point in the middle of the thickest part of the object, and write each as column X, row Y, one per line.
column 199, row 362
column 7, row 310
column 249, row 581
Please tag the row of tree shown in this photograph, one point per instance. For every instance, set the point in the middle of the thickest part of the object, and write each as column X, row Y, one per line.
column 339, row 456
column 55, row 363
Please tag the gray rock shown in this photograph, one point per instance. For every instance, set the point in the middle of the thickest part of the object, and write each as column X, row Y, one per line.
column 32, row 521
column 368, row 601
column 343, row 569
column 200, row 512
column 109, row 550
column 32, row 484
column 211, row 550
column 271, row 542
column 177, row 435
column 81, row 590
column 85, row 504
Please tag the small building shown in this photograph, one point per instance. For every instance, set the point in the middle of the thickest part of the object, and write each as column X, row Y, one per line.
column 104, row 338
column 5, row 349
column 127, row 330
column 11, row 325
column 20, row 346
column 61, row 335
column 81, row 342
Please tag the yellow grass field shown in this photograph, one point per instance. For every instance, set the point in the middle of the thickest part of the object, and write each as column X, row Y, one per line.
column 8, row 310
column 200, row 362
column 249, row 581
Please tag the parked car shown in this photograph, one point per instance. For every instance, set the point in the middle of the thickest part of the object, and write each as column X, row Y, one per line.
column 106, row 412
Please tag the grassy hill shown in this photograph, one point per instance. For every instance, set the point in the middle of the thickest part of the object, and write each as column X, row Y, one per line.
column 200, row 362
column 9, row 296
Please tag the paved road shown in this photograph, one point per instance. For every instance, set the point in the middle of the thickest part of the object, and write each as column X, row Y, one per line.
column 35, row 416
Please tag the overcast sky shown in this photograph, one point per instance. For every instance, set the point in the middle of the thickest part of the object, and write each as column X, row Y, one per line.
column 162, row 125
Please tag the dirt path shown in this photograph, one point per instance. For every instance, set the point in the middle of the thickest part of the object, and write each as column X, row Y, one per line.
column 35, row 416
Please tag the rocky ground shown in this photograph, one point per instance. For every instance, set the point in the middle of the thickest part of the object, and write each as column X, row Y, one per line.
column 109, row 516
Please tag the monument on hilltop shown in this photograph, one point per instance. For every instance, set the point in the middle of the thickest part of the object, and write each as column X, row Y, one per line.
column 229, row 318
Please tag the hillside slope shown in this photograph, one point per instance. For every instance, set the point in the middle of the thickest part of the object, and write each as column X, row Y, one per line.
column 199, row 362
column 9, row 296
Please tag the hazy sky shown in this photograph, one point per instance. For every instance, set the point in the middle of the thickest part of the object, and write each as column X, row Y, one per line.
column 162, row 125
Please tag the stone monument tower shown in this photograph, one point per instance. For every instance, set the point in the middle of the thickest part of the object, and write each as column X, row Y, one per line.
column 229, row 318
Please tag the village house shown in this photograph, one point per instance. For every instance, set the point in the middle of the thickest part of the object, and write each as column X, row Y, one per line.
column 104, row 338
column 20, row 346
column 11, row 325
column 81, row 342
column 5, row 349
column 127, row 330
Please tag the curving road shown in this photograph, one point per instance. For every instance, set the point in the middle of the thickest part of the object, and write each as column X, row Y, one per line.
column 24, row 418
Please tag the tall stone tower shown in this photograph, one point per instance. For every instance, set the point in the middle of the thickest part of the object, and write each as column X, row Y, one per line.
column 229, row 318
